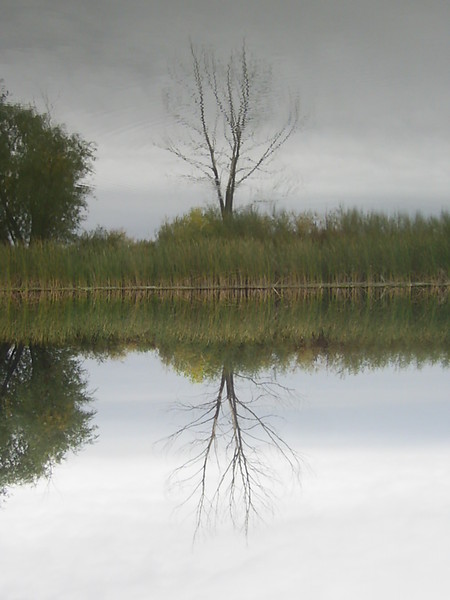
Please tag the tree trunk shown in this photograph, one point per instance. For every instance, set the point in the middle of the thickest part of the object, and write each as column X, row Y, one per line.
column 228, row 208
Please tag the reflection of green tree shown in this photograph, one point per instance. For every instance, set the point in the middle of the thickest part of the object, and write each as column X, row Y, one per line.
column 42, row 415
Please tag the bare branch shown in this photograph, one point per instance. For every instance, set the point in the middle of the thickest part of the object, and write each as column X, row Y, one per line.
column 221, row 106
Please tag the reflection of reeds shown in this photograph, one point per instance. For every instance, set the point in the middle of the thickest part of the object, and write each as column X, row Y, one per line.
column 210, row 333
column 253, row 254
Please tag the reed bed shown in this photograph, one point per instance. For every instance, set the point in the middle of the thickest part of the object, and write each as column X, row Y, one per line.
column 251, row 251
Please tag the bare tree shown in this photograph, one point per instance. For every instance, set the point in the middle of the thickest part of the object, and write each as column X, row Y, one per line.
column 227, row 464
column 224, row 108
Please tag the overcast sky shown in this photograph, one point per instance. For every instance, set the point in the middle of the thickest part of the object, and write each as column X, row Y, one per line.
column 373, row 79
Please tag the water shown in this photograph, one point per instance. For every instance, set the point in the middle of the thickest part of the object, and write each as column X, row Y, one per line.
column 355, row 505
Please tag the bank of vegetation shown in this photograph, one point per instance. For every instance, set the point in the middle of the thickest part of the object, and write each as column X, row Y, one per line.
column 248, row 251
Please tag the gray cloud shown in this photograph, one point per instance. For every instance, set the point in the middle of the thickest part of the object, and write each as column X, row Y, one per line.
column 373, row 80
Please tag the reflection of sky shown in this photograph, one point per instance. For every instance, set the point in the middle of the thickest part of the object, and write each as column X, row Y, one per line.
column 371, row 519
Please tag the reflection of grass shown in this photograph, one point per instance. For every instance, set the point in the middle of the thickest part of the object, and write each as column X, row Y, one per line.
column 199, row 250
column 201, row 337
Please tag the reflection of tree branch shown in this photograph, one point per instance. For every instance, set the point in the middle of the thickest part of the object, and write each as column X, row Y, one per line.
column 242, row 475
column 10, row 357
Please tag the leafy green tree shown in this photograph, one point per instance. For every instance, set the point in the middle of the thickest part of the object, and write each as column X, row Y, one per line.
column 43, row 172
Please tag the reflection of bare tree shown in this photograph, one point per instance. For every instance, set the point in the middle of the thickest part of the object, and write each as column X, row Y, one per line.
column 227, row 465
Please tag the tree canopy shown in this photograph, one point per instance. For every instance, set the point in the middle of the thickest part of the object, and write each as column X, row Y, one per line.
column 43, row 171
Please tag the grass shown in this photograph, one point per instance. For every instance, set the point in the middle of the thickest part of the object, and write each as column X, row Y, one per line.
column 250, row 251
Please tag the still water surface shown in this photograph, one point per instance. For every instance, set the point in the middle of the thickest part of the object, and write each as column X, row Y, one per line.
column 349, row 475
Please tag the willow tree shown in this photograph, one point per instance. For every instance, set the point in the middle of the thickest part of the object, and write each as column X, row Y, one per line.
column 224, row 110
column 43, row 172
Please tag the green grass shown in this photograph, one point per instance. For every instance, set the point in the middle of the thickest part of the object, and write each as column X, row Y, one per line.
column 251, row 250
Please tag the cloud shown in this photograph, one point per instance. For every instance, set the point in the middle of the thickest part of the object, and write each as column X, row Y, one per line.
column 372, row 77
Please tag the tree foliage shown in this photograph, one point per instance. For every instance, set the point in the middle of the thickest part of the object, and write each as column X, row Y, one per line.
column 43, row 173
column 224, row 108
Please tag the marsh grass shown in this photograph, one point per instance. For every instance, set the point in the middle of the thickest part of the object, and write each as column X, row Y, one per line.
column 251, row 251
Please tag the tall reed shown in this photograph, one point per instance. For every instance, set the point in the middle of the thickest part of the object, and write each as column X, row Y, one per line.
column 199, row 250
